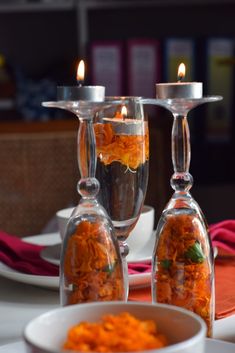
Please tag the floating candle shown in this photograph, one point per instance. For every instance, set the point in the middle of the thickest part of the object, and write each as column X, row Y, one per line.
column 124, row 125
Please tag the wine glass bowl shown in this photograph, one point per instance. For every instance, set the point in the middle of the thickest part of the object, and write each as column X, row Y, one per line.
column 122, row 147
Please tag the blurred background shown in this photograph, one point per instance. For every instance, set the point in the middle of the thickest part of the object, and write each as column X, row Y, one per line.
column 128, row 46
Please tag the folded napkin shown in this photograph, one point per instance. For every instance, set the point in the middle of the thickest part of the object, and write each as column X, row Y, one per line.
column 223, row 235
column 140, row 294
column 224, row 286
column 24, row 257
column 137, row 268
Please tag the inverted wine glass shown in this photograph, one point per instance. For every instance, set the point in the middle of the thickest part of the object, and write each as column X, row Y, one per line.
column 183, row 262
column 90, row 266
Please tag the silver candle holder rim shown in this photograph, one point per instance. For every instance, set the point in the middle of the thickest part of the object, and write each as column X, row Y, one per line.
column 204, row 99
column 180, row 105
column 75, row 103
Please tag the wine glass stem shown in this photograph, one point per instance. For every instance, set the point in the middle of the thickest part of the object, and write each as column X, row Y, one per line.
column 124, row 250
column 86, row 148
column 181, row 180
column 181, row 152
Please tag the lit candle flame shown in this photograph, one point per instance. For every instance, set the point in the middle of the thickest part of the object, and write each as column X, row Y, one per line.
column 124, row 112
column 81, row 72
column 181, row 72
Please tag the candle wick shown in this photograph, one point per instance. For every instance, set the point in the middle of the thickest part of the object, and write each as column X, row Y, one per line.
column 180, row 78
column 79, row 82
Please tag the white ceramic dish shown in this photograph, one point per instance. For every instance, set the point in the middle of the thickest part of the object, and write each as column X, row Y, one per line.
column 184, row 330
column 52, row 253
column 138, row 237
column 52, row 282
column 212, row 346
column 52, row 239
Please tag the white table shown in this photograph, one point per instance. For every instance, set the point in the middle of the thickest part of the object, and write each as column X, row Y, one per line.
column 19, row 303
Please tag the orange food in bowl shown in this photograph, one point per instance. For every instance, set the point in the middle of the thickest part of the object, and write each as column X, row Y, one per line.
column 115, row 333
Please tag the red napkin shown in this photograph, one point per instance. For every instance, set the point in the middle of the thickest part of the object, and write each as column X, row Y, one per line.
column 223, row 235
column 138, row 268
column 24, row 257
column 224, row 286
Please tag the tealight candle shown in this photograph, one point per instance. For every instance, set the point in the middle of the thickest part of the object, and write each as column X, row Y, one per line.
column 187, row 90
column 80, row 92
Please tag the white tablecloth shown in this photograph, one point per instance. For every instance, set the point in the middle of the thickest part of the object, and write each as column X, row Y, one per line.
column 19, row 303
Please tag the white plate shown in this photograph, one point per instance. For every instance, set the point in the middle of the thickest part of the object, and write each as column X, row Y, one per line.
column 41, row 281
column 52, row 282
column 212, row 346
column 51, row 253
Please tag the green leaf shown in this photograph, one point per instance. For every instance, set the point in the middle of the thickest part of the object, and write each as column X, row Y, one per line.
column 195, row 253
column 166, row 264
column 109, row 268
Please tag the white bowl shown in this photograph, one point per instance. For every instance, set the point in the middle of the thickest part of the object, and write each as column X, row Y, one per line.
column 139, row 236
column 62, row 217
column 143, row 230
column 184, row 330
